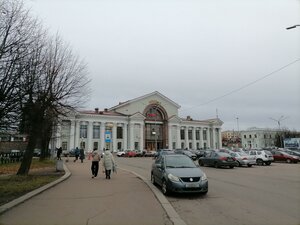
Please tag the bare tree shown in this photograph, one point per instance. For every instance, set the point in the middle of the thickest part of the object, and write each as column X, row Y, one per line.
column 60, row 86
column 40, row 78
column 16, row 35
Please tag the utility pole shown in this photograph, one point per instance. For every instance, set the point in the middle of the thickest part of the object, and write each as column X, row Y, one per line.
column 279, row 128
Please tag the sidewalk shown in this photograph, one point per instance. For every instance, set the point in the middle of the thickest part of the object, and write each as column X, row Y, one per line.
column 124, row 199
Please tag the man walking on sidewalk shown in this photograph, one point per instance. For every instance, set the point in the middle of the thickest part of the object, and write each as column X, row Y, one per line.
column 95, row 163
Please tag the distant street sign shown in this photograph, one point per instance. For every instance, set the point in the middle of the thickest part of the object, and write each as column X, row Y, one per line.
column 107, row 136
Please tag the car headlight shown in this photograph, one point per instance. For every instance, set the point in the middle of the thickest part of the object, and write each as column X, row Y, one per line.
column 204, row 177
column 172, row 177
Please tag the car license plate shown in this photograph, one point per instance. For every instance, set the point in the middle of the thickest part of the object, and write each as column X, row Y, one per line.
column 192, row 185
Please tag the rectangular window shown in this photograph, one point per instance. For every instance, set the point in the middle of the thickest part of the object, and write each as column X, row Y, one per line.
column 190, row 145
column 96, row 132
column 174, row 145
column 83, row 131
column 198, row 145
column 250, row 136
column 255, row 135
column 205, row 135
column 64, row 145
column 95, row 145
column 197, row 134
column 245, row 136
column 182, row 134
column 119, row 145
column 182, row 145
column 119, row 132
column 136, row 145
column 190, row 134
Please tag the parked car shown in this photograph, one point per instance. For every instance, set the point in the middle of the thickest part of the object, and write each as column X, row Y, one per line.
column 178, row 173
column 162, row 151
column 218, row 159
column 262, row 157
column 130, row 153
column 282, row 156
column 243, row 159
column 121, row 153
column 199, row 153
column 149, row 153
column 37, row 152
column 291, row 152
column 188, row 153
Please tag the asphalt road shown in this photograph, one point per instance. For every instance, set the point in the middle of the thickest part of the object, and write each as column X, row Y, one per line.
column 260, row 195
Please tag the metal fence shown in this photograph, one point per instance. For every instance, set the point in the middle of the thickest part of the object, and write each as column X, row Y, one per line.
column 11, row 157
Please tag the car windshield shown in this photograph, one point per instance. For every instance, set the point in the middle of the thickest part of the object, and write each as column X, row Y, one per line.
column 179, row 162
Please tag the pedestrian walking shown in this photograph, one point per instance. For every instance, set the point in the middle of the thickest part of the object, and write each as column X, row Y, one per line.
column 108, row 163
column 81, row 155
column 58, row 153
column 95, row 163
column 77, row 152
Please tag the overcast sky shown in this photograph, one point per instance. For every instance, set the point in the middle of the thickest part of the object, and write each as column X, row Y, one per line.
column 191, row 51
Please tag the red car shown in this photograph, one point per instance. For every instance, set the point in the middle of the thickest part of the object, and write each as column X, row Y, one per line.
column 130, row 154
column 284, row 157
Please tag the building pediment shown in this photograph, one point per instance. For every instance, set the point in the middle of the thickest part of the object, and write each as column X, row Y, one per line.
column 141, row 104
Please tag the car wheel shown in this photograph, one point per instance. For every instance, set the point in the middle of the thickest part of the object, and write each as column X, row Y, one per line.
column 249, row 165
column 259, row 162
column 216, row 165
column 200, row 163
column 239, row 164
column 231, row 167
column 268, row 163
column 288, row 161
column 153, row 179
column 164, row 188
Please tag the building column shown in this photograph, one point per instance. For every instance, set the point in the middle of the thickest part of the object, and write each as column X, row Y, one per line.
column 125, row 137
column 170, row 146
column 58, row 136
column 77, row 133
column 72, row 135
column 131, row 137
column 102, row 131
column 214, row 138
column 186, row 137
column 141, row 137
column 178, row 141
column 90, row 136
column 194, row 138
column 114, row 137
column 208, row 138
column 220, row 138
column 201, row 137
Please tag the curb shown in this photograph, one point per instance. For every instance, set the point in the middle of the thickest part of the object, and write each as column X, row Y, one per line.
column 35, row 192
column 172, row 214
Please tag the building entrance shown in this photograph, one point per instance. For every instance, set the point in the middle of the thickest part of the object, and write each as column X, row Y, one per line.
column 155, row 128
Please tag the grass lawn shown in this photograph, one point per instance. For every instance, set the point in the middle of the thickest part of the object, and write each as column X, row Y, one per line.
column 13, row 186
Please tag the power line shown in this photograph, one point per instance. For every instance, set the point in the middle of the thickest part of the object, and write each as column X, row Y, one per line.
column 245, row 86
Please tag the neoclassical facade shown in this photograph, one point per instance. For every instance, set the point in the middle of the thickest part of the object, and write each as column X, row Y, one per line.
column 149, row 122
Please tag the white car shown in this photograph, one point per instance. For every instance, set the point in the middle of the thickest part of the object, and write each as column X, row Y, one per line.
column 120, row 153
column 262, row 157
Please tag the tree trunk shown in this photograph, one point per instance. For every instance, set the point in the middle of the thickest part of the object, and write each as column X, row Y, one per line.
column 27, row 159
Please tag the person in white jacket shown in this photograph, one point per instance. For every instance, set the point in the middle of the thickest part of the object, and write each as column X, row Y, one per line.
column 108, row 163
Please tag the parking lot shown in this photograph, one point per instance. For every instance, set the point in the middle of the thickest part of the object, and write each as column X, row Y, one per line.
column 257, row 195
